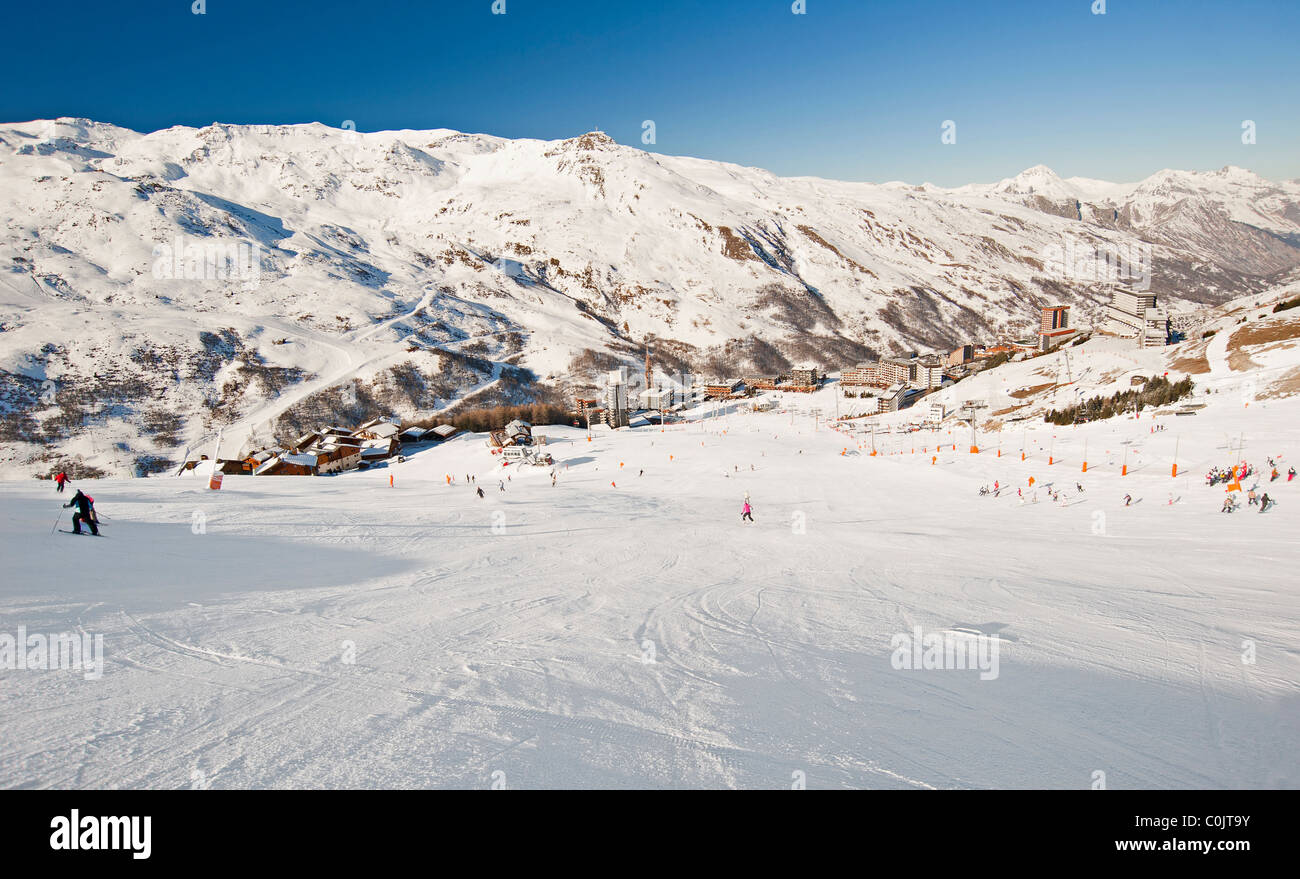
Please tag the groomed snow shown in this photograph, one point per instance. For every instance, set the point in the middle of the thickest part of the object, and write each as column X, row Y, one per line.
column 505, row 639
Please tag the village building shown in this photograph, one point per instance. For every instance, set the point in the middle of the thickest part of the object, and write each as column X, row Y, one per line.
column 897, row 369
column 893, row 396
column 658, row 398
column 929, row 372
column 763, row 382
column 379, row 428
column 305, row 440
column 725, row 389
column 289, row 464
column 1136, row 315
column 444, row 431
column 378, row 450
column 616, row 404
column 257, row 459
column 806, row 376
column 865, row 374
column 519, row 433
column 336, row 453
column 959, row 356
column 1054, row 326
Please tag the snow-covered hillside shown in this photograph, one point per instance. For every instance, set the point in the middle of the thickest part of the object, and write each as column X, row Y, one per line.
column 160, row 287
column 623, row 627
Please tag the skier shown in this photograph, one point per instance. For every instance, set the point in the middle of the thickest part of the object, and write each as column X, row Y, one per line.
column 1079, row 486
column 745, row 512
column 501, row 485
column 1228, row 505
column 1251, row 499
column 480, row 490
column 1275, row 475
column 1265, row 502
column 1290, row 474
column 62, row 480
column 85, row 513
column 1128, row 499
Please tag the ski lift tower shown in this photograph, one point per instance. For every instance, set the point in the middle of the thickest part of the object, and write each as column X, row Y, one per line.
column 970, row 408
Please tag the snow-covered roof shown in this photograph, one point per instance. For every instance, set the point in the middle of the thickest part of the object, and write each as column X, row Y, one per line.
column 375, row 452
column 305, row 460
column 444, row 430
column 383, row 429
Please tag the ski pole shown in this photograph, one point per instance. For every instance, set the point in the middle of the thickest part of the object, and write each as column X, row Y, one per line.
column 56, row 522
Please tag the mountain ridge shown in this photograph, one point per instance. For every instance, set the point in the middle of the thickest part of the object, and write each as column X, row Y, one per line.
column 410, row 269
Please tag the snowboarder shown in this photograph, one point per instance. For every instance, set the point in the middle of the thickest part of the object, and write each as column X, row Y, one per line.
column 85, row 513
column 1228, row 505
column 62, row 480
column 1275, row 475
column 745, row 512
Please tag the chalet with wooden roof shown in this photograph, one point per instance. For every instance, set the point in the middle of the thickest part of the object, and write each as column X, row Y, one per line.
column 289, row 464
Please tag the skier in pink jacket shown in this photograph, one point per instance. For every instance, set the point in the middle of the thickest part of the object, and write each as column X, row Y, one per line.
column 745, row 512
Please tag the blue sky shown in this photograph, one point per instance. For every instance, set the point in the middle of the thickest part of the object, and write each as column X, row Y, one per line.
column 853, row 89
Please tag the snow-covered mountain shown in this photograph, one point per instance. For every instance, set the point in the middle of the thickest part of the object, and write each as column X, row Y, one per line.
column 161, row 287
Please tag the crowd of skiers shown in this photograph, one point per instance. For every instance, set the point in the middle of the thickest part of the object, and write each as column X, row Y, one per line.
column 1215, row 476
column 1235, row 475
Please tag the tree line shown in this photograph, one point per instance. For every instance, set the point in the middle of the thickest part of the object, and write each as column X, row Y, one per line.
column 1158, row 391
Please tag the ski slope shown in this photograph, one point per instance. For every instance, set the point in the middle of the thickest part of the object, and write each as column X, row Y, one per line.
column 637, row 634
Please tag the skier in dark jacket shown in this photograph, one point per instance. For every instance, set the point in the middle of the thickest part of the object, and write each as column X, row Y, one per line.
column 85, row 513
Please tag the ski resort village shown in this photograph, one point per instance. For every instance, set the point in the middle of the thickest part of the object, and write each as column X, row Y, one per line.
column 423, row 459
